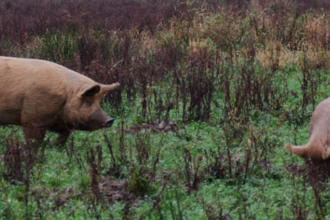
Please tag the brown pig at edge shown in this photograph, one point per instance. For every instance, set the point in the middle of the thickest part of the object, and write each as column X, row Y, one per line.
column 41, row 95
column 318, row 147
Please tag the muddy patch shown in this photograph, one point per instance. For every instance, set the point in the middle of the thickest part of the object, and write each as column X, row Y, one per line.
column 114, row 190
column 155, row 127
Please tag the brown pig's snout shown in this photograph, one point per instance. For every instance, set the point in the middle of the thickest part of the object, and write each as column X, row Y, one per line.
column 109, row 122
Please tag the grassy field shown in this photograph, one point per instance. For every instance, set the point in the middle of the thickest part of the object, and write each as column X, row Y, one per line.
column 210, row 93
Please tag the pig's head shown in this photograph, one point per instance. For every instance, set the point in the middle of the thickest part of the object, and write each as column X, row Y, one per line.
column 83, row 110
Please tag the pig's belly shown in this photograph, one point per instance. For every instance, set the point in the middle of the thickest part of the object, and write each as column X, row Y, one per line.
column 10, row 117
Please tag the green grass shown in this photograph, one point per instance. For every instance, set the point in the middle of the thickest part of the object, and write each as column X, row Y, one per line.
column 265, row 193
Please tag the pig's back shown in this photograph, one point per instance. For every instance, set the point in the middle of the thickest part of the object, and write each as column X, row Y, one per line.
column 320, row 123
column 38, row 82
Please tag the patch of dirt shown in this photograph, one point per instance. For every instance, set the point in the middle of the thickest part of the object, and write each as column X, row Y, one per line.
column 316, row 170
column 60, row 197
column 115, row 190
column 63, row 196
column 155, row 127
column 293, row 168
column 111, row 190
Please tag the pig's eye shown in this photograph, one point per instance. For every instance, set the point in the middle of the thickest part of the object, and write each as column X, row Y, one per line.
column 89, row 103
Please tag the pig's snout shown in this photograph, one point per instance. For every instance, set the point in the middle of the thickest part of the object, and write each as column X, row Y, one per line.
column 109, row 123
column 99, row 120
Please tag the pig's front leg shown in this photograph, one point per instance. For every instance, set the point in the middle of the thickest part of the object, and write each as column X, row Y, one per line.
column 33, row 131
column 64, row 135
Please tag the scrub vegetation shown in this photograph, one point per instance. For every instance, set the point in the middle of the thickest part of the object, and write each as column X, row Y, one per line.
column 210, row 93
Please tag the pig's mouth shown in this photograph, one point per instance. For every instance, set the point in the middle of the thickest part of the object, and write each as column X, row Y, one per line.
column 94, row 126
column 109, row 123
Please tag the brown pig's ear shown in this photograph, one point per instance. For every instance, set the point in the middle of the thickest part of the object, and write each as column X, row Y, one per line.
column 91, row 91
column 108, row 88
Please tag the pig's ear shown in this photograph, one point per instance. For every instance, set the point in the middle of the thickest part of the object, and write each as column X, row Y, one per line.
column 108, row 88
column 91, row 91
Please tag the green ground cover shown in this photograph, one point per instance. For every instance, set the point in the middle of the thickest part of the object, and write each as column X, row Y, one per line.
column 210, row 93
